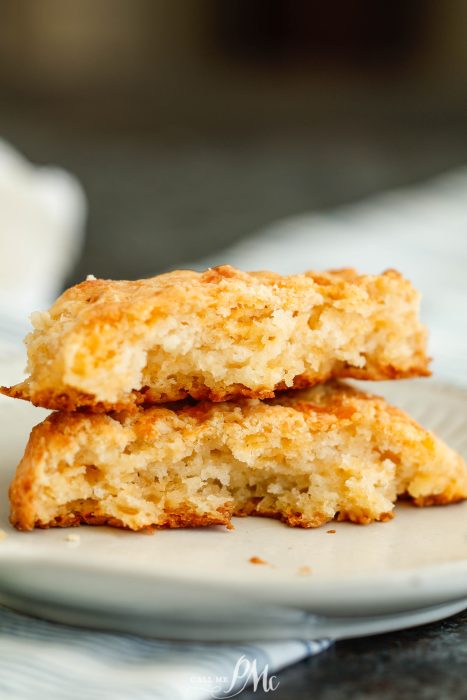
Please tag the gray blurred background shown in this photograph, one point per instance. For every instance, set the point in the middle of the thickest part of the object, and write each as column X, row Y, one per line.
column 193, row 123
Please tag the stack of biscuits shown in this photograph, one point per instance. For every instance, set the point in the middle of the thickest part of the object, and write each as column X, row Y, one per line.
column 189, row 398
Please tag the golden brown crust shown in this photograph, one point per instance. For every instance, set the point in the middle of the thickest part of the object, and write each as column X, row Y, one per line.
column 71, row 401
column 189, row 518
column 219, row 335
column 75, row 401
column 177, row 519
column 439, row 499
column 362, row 517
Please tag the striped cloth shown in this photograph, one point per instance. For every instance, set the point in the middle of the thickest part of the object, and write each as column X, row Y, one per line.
column 41, row 659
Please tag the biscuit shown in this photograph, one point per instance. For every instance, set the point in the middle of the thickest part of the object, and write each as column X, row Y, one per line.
column 219, row 335
column 306, row 457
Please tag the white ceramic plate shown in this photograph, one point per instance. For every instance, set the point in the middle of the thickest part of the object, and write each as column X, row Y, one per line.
column 200, row 584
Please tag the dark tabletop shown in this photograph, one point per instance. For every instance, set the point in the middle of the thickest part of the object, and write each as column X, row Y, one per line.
column 164, row 195
column 426, row 663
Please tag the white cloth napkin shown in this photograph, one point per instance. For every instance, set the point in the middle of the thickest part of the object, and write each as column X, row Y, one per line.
column 42, row 214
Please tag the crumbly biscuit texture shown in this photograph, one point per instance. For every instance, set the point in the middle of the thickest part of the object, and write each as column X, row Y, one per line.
column 308, row 457
column 219, row 335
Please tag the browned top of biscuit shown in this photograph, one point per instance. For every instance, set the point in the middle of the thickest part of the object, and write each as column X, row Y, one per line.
column 108, row 299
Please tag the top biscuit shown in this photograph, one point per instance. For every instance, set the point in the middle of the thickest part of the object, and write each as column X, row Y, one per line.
column 220, row 334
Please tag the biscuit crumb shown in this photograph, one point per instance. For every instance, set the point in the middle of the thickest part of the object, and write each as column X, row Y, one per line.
column 304, row 571
column 72, row 537
column 148, row 531
column 331, row 532
column 2, row 535
column 257, row 560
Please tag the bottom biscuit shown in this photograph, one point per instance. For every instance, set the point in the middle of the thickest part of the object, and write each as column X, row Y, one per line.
column 306, row 457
